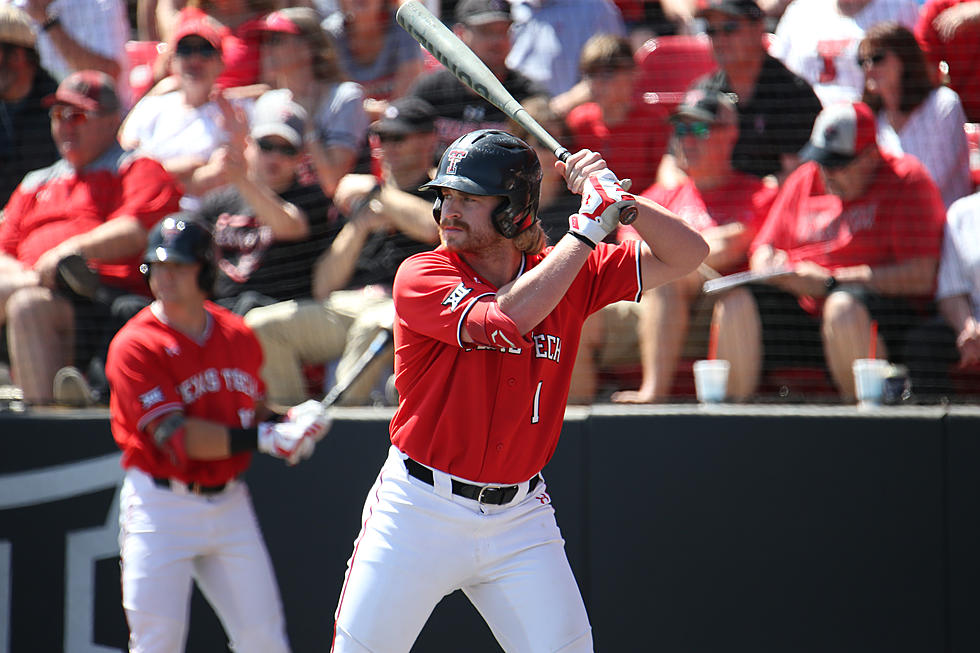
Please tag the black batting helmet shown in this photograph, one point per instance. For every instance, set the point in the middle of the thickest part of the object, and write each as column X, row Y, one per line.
column 179, row 238
column 493, row 162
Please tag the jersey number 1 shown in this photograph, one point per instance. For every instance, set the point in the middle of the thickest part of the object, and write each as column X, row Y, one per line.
column 535, row 417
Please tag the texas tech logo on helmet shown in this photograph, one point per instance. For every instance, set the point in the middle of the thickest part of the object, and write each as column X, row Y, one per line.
column 453, row 157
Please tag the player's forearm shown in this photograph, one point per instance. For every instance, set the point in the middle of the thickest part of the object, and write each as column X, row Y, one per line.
column 330, row 163
column 206, row 440
column 673, row 248
column 529, row 299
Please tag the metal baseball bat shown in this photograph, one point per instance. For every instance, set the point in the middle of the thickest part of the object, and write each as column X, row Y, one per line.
column 374, row 350
column 469, row 69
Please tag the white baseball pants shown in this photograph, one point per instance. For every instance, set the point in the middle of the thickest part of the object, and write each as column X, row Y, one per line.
column 168, row 539
column 420, row 542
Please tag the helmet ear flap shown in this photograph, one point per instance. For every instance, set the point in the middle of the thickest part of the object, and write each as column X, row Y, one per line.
column 437, row 209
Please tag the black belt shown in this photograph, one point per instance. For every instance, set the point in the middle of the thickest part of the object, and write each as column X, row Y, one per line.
column 192, row 488
column 491, row 494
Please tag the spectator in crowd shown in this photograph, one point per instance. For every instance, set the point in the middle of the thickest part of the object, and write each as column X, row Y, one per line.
column 25, row 135
column 555, row 201
column 727, row 207
column 776, row 108
column 240, row 34
column 818, row 40
column 951, row 339
column 375, row 51
column 915, row 115
column 387, row 222
column 631, row 134
column 185, row 128
column 269, row 227
column 299, row 58
column 860, row 232
column 949, row 32
column 98, row 202
column 549, row 36
column 82, row 35
column 483, row 25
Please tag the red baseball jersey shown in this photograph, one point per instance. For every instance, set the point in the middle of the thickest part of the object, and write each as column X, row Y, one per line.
column 490, row 412
column 154, row 369
column 899, row 217
column 58, row 202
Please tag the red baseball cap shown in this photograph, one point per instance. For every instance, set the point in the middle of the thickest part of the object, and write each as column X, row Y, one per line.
column 89, row 90
column 194, row 22
column 840, row 133
column 277, row 21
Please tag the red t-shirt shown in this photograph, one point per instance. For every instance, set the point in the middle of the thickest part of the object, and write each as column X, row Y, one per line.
column 960, row 53
column 58, row 202
column 241, row 53
column 899, row 217
column 633, row 148
column 743, row 198
column 154, row 369
column 488, row 414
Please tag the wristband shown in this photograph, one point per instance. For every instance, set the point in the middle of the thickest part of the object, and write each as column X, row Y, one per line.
column 240, row 440
column 53, row 21
column 582, row 238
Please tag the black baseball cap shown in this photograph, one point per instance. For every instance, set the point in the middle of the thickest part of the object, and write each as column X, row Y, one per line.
column 747, row 8
column 707, row 105
column 478, row 12
column 406, row 115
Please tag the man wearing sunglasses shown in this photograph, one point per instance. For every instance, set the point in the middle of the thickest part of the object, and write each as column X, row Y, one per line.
column 861, row 232
column 387, row 222
column 96, row 202
column 726, row 207
column 269, row 227
column 776, row 108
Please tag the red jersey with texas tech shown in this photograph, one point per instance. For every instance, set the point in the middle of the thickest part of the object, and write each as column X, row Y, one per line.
column 490, row 412
column 154, row 369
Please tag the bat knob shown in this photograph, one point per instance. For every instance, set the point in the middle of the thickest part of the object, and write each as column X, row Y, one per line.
column 628, row 214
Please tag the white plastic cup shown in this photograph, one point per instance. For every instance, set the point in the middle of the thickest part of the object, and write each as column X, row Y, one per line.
column 711, row 380
column 869, row 381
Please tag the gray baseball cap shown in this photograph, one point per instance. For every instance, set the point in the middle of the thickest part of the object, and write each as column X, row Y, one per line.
column 277, row 115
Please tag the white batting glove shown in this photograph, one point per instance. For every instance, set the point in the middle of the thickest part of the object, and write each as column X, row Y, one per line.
column 603, row 198
column 296, row 436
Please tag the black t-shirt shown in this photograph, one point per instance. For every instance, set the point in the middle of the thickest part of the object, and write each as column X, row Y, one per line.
column 252, row 260
column 384, row 251
column 554, row 217
column 460, row 110
column 25, row 135
column 776, row 121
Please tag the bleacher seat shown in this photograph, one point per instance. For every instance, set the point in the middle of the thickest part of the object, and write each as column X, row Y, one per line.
column 667, row 65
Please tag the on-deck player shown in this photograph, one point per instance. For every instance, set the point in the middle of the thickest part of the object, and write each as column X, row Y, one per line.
column 486, row 334
column 187, row 410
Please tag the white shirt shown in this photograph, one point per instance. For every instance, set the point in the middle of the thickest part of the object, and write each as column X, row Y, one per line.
column 101, row 26
column 820, row 44
column 934, row 135
column 959, row 267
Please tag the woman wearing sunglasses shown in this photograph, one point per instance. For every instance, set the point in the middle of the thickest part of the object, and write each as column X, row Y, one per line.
column 915, row 116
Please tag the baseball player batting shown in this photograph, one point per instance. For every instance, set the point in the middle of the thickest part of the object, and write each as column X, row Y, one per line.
column 186, row 409
column 486, row 332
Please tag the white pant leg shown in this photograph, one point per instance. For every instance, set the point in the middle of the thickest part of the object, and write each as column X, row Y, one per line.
column 413, row 549
column 157, row 545
column 526, row 591
column 238, row 580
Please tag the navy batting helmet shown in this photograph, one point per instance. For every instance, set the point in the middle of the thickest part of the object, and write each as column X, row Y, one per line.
column 179, row 238
column 493, row 162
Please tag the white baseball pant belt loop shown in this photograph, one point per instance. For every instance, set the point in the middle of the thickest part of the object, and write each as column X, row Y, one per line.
column 495, row 495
